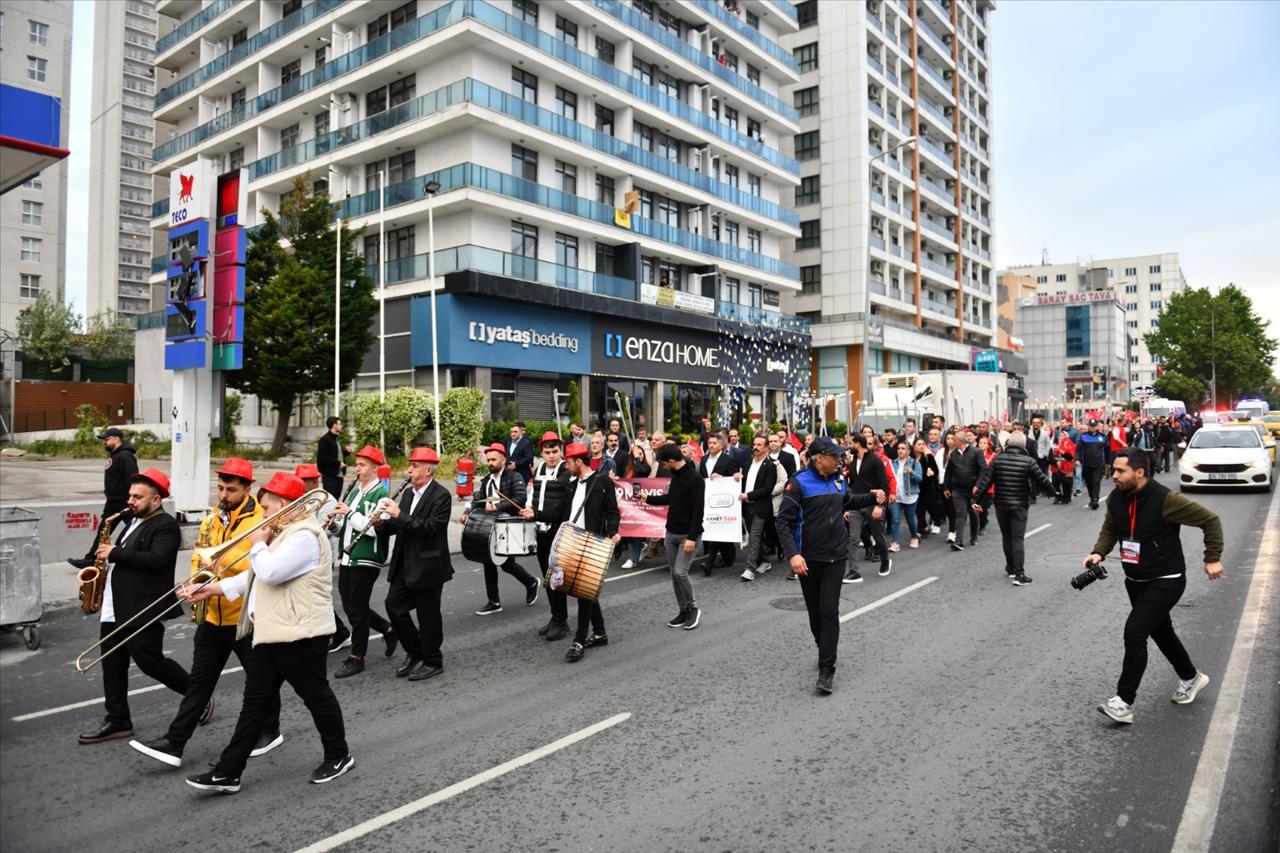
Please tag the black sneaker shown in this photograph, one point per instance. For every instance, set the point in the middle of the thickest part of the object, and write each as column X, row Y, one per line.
column 531, row 594
column 792, row 576
column 330, row 770
column 678, row 620
column 340, row 639
column 207, row 714
column 955, row 545
column 575, row 653
column 390, row 641
column 161, row 750
column 267, row 741
column 350, row 667
column 885, row 569
column 852, row 576
column 1021, row 580
column 213, row 781
column 825, row 676
column 79, row 562
column 692, row 618
column 869, row 555
column 489, row 609
column 557, row 631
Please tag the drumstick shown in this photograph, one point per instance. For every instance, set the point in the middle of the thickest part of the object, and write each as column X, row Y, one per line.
column 508, row 500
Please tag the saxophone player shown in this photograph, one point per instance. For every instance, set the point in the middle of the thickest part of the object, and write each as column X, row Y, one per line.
column 215, row 640
column 139, row 571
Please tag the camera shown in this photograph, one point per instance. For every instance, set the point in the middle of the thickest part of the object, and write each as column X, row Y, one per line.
column 1096, row 572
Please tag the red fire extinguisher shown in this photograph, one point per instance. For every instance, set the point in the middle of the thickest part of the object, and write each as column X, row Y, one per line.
column 466, row 476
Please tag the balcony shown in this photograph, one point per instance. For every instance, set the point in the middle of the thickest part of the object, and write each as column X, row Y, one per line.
column 933, row 38
column 936, row 192
column 940, row 269
column 940, row 310
column 937, row 150
column 930, row 225
column 752, row 316
column 876, row 108
column 875, row 63
column 788, row 9
column 877, row 242
column 247, row 48
column 936, row 113
column 482, row 259
column 875, row 21
column 189, row 26
column 159, row 208
column 715, row 8
column 934, row 74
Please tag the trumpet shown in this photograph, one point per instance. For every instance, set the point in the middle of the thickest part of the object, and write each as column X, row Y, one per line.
column 208, row 557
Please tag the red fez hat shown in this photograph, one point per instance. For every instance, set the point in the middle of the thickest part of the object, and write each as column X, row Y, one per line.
column 307, row 472
column 575, row 450
column 549, row 437
column 155, row 477
column 373, row 454
column 287, row 486
column 424, row 454
column 384, row 472
column 237, row 467
column 496, row 447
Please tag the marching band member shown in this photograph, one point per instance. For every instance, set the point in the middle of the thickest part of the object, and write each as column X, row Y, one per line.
column 501, row 491
column 289, row 614
column 593, row 506
column 310, row 477
column 420, row 565
column 362, row 554
column 140, row 570
column 215, row 639
column 547, row 496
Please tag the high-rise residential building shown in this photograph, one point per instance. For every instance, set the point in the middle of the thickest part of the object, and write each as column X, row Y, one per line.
column 610, row 195
column 1143, row 285
column 122, row 136
column 35, row 54
column 895, row 187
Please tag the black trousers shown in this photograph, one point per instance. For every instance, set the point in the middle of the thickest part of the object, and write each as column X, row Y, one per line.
column 332, row 484
column 214, row 645
column 147, row 651
column 930, row 506
column 355, row 586
column 555, row 598
column 1166, row 452
column 961, row 506
column 771, row 543
column 726, row 551
column 301, row 664
column 1063, row 484
column 109, row 509
column 873, row 534
column 1013, row 535
column 590, row 616
column 821, row 588
column 1093, row 482
column 1152, row 602
column 421, row 641
column 511, row 567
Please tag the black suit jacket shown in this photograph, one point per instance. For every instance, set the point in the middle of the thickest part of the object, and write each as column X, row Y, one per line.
column 421, row 555
column 868, row 474
column 726, row 466
column 760, row 499
column 788, row 463
column 522, row 457
column 599, row 508
column 142, row 568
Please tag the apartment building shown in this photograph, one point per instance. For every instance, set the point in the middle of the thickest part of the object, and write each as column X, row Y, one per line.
column 895, row 184
column 607, row 182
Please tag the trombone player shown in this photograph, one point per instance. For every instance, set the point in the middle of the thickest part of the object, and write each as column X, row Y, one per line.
column 215, row 640
column 139, row 581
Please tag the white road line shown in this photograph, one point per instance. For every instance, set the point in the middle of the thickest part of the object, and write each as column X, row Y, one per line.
column 636, row 572
column 35, row 715
column 1195, row 830
column 410, row 809
column 880, row 602
column 1039, row 529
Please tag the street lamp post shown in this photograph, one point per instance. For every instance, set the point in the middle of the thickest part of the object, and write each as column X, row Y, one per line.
column 337, row 309
column 431, row 188
column 382, row 302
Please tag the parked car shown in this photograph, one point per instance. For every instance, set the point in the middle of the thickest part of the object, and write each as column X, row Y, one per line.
column 1226, row 456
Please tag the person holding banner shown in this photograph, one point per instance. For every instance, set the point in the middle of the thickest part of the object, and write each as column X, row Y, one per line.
column 593, row 506
column 684, row 500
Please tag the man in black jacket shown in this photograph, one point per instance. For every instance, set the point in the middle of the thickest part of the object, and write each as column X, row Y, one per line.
column 140, row 572
column 420, row 565
column 758, row 485
column 718, row 462
column 520, row 452
column 502, row 492
column 684, row 503
column 329, row 456
column 592, row 505
column 964, row 466
column 1012, row 470
column 1091, row 452
column 815, row 542
column 867, row 475
column 117, row 475
column 548, row 494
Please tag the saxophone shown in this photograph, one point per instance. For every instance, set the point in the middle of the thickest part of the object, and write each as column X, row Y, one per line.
column 200, row 608
column 93, row 580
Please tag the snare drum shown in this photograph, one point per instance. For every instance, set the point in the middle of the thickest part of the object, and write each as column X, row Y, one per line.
column 476, row 534
column 579, row 561
column 514, row 536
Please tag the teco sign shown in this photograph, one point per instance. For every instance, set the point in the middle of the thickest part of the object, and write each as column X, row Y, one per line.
column 191, row 192
column 1076, row 298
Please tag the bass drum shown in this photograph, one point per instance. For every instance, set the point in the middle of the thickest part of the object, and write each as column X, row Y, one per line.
column 477, row 534
column 579, row 561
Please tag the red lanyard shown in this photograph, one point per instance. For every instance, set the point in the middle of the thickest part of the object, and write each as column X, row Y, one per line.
column 1133, row 516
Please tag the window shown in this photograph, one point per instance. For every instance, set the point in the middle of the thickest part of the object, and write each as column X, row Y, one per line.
column 289, row 136
column 37, row 69
column 524, row 163
column 32, row 213
column 643, row 70
column 30, row 249
column 605, row 190
column 669, row 211
column 1042, row 279
column 1078, row 331
column 401, row 167
column 1060, row 277
column 807, row 147
column 567, row 104
column 808, row 192
column 646, row 204
column 36, row 183
column 28, row 286
column 731, row 176
column 753, row 184
column 807, row 13
column 604, row 119
column 807, row 57
column 39, row 34
column 1130, row 271
column 375, row 102
column 290, row 6
column 567, row 177
column 567, row 31
column 669, row 22
column 731, row 232
column 753, row 74
column 806, row 101
column 1153, row 269
column 567, row 250
column 1156, row 287
column 731, row 117
column 1131, row 288
column 729, row 290
column 753, row 20
column 321, row 56
column 384, row 24
column 1133, row 324
column 755, row 296
column 290, row 71
column 322, row 123
column 525, row 10
column 237, row 99
column 606, row 263
column 730, row 59
column 810, row 235
column 524, row 85
column 753, row 240
column 668, row 274
column 669, row 86
column 753, row 129
column 605, row 50
column 1131, row 306
column 400, row 245
column 239, row 37
column 236, row 158
column 642, row 136
column 402, row 90
column 1156, row 304
column 1111, row 273
column 811, row 279
column 524, row 240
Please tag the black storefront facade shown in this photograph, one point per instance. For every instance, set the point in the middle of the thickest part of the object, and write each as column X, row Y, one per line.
column 524, row 342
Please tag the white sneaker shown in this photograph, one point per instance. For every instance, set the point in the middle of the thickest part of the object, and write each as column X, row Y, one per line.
column 1117, row 709
column 914, row 543
column 1187, row 690
column 935, row 529
column 763, row 567
column 748, row 575
column 629, row 564
column 894, row 547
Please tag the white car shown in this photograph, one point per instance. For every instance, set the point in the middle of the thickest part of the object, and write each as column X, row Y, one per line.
column 1225, row 456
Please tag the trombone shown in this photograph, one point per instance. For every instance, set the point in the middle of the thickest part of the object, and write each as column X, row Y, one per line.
column 208, row 557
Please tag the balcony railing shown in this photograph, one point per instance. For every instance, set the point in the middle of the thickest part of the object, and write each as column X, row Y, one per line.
column 876, row 108
column 930, row 225
column 936, row 192
column 940, row 269
column 716, row 9
column 937, row 76
column 195, row 22
column 878, row 242
column 753, row 316
column 787, row 8
column 938, row 309
column 937, row 149
column 875, row 63
column 247, row 48
column 874, row 20
column 932, row 37
column 159, row 208
column 935, row 112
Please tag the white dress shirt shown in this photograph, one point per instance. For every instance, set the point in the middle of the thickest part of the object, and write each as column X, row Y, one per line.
column 579, row 498
column 753, row 472
column 108, row 600
column 296, row 555
column 417, row 495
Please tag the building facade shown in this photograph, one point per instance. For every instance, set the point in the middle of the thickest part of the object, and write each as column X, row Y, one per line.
column 1143, row 284
column 35, row 54
column 895, row 188
column 1011, row 289
column 122, row 137
column 1076, row 347
column 603, row 183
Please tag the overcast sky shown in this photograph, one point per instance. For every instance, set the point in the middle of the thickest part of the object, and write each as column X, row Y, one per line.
column 1119, row 129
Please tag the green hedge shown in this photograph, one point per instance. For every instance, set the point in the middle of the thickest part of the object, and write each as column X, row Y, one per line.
column 500, row 431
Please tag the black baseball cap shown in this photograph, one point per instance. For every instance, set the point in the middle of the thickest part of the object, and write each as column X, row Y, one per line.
column 110, row 432
column 826, row 446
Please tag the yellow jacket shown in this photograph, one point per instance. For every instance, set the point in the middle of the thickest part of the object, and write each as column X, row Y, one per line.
column 220, row 611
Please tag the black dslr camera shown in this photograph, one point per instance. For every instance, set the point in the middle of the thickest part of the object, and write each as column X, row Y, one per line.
column 1096, row 572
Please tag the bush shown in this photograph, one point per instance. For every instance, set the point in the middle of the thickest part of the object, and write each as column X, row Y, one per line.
column 90, row 419
column 461, row 420
column 746, row 433
column 500, row 431
column 838, row 428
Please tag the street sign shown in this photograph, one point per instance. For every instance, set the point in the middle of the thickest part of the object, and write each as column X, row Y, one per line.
column 986, row 362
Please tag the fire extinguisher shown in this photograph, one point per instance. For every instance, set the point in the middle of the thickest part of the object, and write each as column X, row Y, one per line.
column 466, row 476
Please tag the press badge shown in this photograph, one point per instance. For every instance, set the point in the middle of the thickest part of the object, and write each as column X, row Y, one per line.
column 1130, row 551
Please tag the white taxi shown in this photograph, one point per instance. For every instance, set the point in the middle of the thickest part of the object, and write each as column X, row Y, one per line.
column 1225, row 456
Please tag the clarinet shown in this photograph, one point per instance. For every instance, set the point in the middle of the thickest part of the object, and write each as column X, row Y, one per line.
column 369, row 523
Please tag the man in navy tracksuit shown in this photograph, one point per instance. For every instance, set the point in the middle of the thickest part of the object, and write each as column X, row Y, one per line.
column 815, row 540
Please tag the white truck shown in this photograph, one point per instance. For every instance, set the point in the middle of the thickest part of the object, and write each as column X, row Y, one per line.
column 960, row 396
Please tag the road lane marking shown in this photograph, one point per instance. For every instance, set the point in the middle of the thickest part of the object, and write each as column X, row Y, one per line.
column 1039, row 529
column 1195, row 830
column 633, row 574
column 35, row 715
column 880, row 602
column 409, row 809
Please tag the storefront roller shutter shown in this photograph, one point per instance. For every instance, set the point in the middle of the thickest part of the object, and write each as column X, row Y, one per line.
column 534, row 399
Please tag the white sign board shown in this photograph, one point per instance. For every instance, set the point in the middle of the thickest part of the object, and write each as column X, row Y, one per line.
column 191, row 192
column 668, row 298
column 722, row 511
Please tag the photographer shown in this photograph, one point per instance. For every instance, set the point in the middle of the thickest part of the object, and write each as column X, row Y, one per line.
column 1144, row 516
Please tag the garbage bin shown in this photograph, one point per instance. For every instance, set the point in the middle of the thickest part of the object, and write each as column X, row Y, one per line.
column 20, row 600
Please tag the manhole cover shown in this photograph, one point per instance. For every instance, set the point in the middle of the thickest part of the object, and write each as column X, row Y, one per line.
column 790, row 602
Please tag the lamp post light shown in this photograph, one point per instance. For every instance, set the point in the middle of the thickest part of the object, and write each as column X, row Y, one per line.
column 431, row 188
column 382, row 302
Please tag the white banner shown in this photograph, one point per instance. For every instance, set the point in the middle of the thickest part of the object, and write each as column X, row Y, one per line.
column 669, row 298
column 722, row 511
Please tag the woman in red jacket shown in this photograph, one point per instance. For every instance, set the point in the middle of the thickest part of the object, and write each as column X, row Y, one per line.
column 984, row 500
column 1064, row 467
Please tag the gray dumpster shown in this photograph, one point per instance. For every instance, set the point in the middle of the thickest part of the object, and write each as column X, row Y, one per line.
column 20, row 601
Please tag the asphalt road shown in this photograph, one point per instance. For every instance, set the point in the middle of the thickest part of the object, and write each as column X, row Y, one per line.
column 963, row 719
